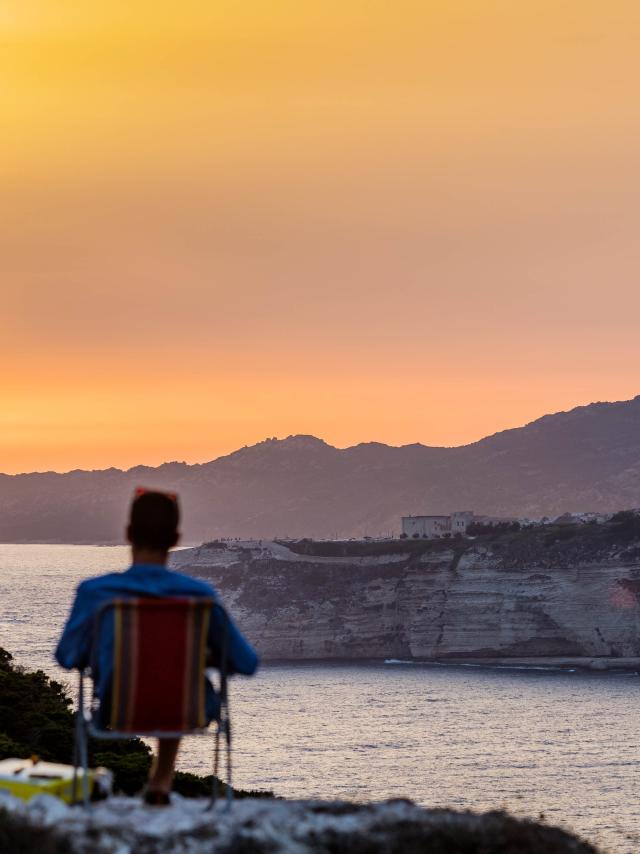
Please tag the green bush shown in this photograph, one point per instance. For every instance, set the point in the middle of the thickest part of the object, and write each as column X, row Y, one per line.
column 35, row 714
column 193, row 786
column 480, row 529
column 626, row 525
column 130, row 765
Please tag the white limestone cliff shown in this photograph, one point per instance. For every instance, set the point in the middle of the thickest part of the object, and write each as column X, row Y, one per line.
column 507, row 597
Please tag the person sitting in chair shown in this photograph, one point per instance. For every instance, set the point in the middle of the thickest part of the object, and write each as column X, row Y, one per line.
column 152, row 531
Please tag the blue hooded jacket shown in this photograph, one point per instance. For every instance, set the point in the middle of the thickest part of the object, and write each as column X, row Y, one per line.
column 74, row 647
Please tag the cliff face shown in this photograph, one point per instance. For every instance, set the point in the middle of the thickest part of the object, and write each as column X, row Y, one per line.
column 551, row 592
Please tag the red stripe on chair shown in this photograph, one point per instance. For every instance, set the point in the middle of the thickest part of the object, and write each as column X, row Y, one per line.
column 158, row 665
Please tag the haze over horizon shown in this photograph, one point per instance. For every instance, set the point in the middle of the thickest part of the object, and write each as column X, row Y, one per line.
column 398, row 222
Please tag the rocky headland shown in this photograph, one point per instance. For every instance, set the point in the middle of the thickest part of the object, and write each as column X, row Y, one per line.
column 567, row 594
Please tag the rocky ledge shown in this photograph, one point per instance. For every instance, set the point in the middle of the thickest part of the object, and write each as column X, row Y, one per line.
column 125, row 826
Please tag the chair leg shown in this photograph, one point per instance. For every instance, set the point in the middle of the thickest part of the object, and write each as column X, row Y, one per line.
column 83, row 746
column 84, row 758
column 216, row 763
column 229, row 775
column 77, row 739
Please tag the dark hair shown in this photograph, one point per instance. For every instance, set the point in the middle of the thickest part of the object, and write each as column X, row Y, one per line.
column 154, row 520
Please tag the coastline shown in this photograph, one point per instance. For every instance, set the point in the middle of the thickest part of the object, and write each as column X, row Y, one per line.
column 585, row 664
column 549, row 664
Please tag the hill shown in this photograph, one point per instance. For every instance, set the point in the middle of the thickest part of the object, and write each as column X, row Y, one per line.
column 584, row 459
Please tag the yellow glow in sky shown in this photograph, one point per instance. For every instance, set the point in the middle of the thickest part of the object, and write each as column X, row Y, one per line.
column 407, row 221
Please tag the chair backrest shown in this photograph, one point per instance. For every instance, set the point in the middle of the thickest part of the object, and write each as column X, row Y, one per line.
column 159, row 653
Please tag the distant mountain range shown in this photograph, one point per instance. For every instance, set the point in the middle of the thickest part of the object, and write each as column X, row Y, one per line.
column 582, row 460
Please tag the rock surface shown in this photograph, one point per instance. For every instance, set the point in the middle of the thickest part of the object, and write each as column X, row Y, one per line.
column 556, row 593
column 125, row 826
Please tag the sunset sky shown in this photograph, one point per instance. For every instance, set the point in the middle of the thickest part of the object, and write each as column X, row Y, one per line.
column 394, row 221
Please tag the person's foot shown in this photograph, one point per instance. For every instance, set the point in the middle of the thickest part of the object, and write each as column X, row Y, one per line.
column 156, row 799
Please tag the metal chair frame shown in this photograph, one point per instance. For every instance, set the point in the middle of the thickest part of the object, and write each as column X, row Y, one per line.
column 85, row 720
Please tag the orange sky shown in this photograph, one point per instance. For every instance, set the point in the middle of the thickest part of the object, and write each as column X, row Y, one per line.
column 401, row 221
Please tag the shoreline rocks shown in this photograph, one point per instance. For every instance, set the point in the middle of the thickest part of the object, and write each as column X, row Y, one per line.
column 126, row 826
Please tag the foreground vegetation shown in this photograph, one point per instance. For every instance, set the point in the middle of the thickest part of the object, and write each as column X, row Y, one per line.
column 36, row 718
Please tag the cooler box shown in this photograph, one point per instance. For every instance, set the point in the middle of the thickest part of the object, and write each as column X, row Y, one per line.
column 25, row 778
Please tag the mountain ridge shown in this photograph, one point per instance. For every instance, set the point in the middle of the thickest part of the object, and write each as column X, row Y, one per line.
column 287, row 440
column 586, row 458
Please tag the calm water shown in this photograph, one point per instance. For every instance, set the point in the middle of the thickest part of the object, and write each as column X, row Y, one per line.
column 533, row 742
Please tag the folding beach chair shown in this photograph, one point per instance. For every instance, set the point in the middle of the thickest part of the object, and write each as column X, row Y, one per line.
column 159, row 659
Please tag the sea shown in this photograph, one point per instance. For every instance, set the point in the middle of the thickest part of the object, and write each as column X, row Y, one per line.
column 548, row 744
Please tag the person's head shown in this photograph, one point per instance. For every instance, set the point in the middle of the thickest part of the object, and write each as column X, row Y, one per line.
column 153, row 522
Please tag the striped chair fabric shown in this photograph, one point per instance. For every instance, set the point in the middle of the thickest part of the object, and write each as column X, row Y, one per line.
column 159, row 658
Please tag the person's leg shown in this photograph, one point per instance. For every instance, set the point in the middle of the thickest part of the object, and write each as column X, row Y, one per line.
column 163, row 767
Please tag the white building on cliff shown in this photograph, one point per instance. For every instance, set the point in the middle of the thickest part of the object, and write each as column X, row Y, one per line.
column 434, row 527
